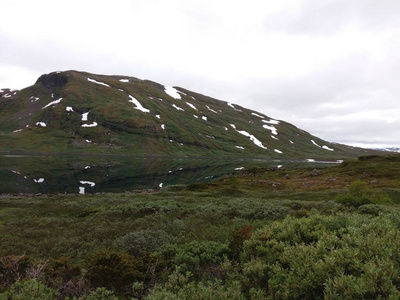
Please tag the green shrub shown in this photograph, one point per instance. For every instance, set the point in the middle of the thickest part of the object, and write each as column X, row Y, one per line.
column 360, row 194
column 196, row 256
column 113, row 270
column 180, row 286
column 349, row 256
column 143, row 241
column 101, row 294
column 29, row 290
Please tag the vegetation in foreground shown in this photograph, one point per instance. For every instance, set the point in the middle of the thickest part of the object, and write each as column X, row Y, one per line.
column 332, row 233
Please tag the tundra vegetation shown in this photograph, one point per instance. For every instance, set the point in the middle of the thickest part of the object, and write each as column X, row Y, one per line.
column 261, row 234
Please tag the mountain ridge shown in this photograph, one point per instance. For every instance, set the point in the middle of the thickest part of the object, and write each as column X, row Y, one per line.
column 74, row 111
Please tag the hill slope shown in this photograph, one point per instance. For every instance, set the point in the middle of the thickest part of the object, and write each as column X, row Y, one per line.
column 86, row 113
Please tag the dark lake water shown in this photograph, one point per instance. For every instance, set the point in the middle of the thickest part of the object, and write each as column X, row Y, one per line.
column 94, row 174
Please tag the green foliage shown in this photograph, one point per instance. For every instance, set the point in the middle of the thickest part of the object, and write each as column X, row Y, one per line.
column 359, row 194
column 113, row 270
column 101, row 294
column 324, row 256
column 180, row 286
column 196, row 256
column 30, row 290
column 141, row 242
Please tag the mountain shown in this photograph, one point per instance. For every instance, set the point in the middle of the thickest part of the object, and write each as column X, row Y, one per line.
column 79, row 112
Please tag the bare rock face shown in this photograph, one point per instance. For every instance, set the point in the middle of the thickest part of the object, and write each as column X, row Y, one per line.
column 53, row 80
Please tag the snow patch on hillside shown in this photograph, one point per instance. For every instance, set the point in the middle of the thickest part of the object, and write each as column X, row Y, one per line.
column 94, row 124
column 240, row 147
column 85, row 116
column 252, row 138
column 271, row 121
column 158, row 116
column 196, row 116
column 231, row 105
column 177, row 107
column 210, row 109
column 163, row 126
column 43, row 124
column 52, row 103
column 327, row 148
column 278, row 151
column 98, row 82
column 257, row 115
column 138, row 105
column 92, row 184
column 323, row 147
column 69, row 108
column 34, row 99
column 171, row 91
column 191, row 105
column 204, row 118
column 272, row 128
column 124, row 80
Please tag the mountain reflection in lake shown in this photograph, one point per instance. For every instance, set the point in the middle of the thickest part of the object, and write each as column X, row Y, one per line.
column 92, row 174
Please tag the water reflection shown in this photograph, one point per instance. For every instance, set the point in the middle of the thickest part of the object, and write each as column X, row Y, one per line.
column 92, row 174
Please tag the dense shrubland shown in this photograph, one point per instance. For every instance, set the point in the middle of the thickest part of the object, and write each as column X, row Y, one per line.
column 237, row 238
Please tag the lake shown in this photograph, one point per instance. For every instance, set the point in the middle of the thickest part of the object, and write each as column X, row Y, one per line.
column 50, row 174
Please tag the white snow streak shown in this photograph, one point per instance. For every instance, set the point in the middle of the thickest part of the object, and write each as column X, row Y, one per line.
column 196, row 116
column 158, row 116
column 138, row 105
column 94, row 124
column 69, row 108
column 41, row 124
column 124, row 80
column 312, row 141
column 240, row 147
column 85, row 116
column 231, row 105
column 257, row 115
column 98, row 82
column 271, row 121
column 271, row 128
column 40, row 180
column 250, row 136
column 191, row 105
column 52, row 103
column 172, row 92
column 92, row 184
column 238, row 169
column 327, row 148
column 323, row 147
column 177, row 107
column 211, row 109
column 204, row 118
column 278, row 151
column 163, row 126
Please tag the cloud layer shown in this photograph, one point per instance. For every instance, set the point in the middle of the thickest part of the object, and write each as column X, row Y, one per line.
column 328, row 67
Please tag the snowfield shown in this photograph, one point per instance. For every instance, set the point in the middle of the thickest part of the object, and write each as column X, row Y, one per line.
column 138, row 105
column 169, row 90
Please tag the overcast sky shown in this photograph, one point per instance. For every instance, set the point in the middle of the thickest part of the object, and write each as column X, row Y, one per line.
column 331, row 68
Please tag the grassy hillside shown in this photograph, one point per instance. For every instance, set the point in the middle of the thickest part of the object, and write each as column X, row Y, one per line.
column 87, row 113
column 260, row 234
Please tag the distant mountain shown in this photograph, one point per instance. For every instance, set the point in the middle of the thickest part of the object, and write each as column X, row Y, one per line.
column 78, row 112
column 389, row 149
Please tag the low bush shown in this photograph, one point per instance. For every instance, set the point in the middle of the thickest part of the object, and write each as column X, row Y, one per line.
column 360, row 194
